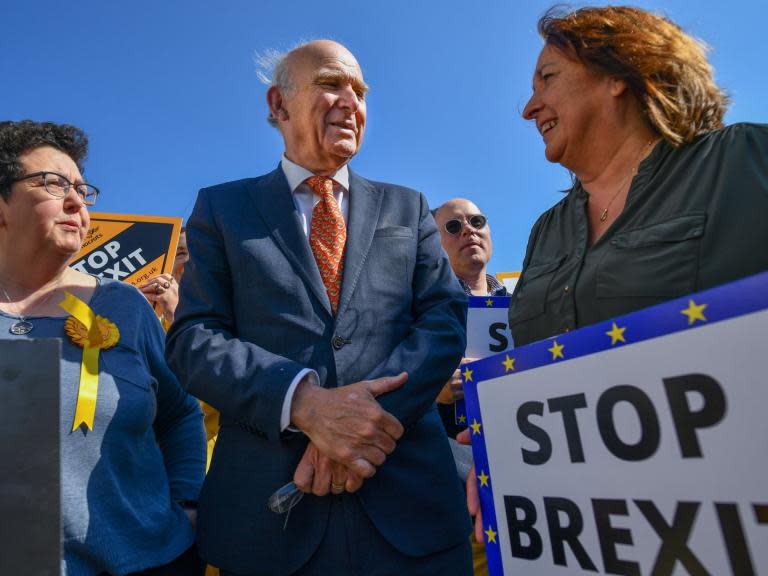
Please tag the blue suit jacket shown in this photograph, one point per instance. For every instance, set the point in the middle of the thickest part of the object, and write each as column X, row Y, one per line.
column 254, row 312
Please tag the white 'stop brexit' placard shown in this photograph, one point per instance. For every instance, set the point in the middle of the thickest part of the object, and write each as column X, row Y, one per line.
column 487, row 334
column 633, row 446
column 487, row 328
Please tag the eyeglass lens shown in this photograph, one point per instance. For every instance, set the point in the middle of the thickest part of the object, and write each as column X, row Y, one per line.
column 284, row 498
column 58, row 186
column 476, row 221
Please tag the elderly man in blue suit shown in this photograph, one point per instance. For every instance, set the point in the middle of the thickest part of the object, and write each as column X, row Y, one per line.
column 320, row 316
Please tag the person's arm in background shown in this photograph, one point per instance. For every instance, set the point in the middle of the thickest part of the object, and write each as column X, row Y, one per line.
column 454, row 388
column 162, row 291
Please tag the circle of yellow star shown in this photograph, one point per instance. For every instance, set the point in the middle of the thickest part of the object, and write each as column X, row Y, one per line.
column 491, row 534
column 462, row 419
column 509, row 363
column 489, row 303
column 557, row 350
column 475, row 426
column 694, row 312
column 467, row 374
column 616, row 334
column 483, row 477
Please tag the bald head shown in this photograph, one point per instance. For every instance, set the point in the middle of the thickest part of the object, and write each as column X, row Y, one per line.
column 461, row 204
column 470, row 249
column 319, row 50
column 279, row 65
column 319, row 106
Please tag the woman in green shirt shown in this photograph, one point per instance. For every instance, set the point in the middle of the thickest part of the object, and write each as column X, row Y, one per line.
column 665, row 201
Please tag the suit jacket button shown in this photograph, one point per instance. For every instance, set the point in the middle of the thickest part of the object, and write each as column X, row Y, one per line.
column 337, row 342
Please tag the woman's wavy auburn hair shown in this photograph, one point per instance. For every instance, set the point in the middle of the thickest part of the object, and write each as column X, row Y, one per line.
column 665, row 69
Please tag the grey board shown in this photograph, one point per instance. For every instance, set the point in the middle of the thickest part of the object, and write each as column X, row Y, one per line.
column 30, row 529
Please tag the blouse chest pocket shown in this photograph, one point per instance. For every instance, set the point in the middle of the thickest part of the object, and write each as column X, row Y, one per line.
column 530, row 297
column 125, row 365
column 659, row 261
column 126, row 391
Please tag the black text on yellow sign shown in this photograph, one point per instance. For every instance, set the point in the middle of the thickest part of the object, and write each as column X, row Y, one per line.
column 126, row 247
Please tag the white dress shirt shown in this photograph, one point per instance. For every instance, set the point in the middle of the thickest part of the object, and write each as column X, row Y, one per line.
column 305, row 201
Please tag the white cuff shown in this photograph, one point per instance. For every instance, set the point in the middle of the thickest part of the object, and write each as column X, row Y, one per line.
column 285, row 414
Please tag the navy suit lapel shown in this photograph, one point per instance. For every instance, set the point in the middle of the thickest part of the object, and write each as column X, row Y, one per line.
column 274, row 202
column 363, row 216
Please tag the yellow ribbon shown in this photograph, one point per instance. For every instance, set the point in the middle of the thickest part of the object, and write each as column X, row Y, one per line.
column 99, row 333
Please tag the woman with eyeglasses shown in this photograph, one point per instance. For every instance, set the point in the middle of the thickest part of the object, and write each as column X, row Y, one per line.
column 132, row 441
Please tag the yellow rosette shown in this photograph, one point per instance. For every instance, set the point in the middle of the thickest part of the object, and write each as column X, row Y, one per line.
column 92, row 333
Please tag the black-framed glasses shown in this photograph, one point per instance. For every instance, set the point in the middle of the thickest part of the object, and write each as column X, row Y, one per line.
column 476, row 221
column 58, row 186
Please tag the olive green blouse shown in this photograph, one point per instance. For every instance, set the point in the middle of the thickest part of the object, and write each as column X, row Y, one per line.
column 696, row 216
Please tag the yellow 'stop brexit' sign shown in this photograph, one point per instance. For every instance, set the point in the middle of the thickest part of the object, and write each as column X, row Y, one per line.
column 128, row 247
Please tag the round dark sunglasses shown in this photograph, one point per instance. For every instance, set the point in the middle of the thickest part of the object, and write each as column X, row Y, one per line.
column 476, row 221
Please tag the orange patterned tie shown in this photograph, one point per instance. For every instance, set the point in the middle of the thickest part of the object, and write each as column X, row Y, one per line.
column 327, row 237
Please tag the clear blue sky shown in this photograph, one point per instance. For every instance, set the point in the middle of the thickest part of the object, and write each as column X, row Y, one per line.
column 168, row 94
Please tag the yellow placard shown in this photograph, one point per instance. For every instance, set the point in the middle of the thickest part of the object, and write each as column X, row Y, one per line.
column 128, row 247
column 509, row 279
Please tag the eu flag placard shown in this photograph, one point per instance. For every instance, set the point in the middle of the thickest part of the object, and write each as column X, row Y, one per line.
column 632, row 446
column 487, row 334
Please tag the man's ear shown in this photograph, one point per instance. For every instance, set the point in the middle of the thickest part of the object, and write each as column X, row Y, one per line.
column 275, row 101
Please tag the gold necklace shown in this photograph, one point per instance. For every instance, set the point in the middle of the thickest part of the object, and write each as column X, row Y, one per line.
column 24, row 326
column 604, row 213
column 628, row 178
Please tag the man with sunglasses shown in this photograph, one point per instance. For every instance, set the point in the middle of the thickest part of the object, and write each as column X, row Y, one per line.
column 466, row 238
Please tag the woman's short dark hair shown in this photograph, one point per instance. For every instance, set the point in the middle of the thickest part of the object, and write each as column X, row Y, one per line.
column 18, row 138
column 666, row 69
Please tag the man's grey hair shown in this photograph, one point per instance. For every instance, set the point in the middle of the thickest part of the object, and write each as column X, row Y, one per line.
column 272, row 69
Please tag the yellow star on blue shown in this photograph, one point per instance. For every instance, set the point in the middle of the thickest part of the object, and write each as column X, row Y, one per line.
column 616, row 334
column 467, row 374
column 694, row 312
column 509, row 363
column 491, row 534
column 483, row 477
column 462, row 419
column 557, row 350
column 489, row 303
column 475, row 426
